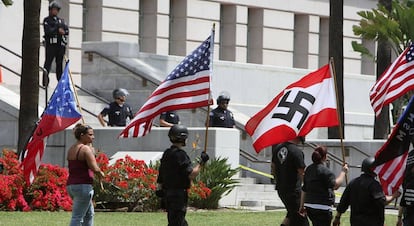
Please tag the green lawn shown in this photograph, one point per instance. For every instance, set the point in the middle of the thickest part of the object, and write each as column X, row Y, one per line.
column 194, row 218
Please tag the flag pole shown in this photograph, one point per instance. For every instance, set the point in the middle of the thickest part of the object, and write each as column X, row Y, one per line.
column 341, row 135
column 75, row 92
column 209, row 94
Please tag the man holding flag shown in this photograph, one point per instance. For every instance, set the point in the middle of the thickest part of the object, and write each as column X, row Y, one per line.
column 60, row 113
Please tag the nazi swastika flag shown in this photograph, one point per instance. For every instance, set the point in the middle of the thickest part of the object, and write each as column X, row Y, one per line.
column 300, row 107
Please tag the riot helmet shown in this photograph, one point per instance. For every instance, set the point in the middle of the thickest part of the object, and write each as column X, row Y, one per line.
column 178, row 134
column 367, row 165
column 223, row 96
column 121, row 92
column 55, row 5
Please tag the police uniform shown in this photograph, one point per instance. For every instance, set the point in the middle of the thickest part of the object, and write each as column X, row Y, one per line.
column 117, row 114
column 170, row 117
column 287, row 159
column 220, row 117
column 319, row 183
column 55, row 43
column 174, row 174
column 367, row 200
column 407, row 199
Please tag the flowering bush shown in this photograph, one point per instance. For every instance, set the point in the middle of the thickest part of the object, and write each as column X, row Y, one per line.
column 197, row 194
column 48, row 190
column 12, row 183
column 127, row 183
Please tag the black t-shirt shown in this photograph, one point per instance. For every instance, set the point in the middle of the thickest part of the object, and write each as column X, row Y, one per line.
column 288, row 158
column 318, row 183
column 117, row 114
column 407, row 199
column 220, row 117
column 175, row 169
column 367, row 201
column 170, row 117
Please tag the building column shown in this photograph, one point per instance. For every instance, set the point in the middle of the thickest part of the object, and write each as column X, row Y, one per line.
column 367, row 63
column 178, row 27
column 301, row 41
column 255, row 36
column 323, row 42
column 92, row 20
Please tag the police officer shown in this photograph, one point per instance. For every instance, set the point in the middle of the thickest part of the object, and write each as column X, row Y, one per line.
column 406, row 211
column 288, row 167
column 175, row 175
column 169, row 118
column 221, row 116
column 365, row 196
column 118, row 111
column 56, row 33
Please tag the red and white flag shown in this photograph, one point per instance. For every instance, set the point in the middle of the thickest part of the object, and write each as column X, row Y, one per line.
column 186, row 87
column 390, row 159
column 300, row 107
column 396, row 81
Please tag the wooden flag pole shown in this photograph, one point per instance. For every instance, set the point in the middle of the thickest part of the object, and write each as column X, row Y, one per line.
column 209, row 94
column 341, row 135
column 76, row 93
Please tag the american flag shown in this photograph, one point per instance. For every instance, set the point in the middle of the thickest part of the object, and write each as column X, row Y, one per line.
column 390, row 159
column 396, row 81
column 60, row 112
column 186, row 87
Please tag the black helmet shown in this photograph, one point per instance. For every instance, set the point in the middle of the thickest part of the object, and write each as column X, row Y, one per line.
column 178, row 134
column 54, row 5
column 223, row 96
column 367, row 165
column 117, row 93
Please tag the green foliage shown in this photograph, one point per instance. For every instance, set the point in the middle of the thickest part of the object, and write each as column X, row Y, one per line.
column 394, row 27
column 218, row 176
column 7, row 2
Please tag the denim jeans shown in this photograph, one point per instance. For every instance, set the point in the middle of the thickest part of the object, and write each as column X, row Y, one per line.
column 82, row 208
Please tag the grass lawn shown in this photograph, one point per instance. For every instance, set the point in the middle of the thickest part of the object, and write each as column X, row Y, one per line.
column 194, row 218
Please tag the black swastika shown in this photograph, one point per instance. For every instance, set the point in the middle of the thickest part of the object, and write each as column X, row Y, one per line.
column 294, row 107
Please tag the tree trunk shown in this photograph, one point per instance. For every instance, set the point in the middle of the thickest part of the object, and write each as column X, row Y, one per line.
column 29, row 82
column 337, row 53
column 382, row 122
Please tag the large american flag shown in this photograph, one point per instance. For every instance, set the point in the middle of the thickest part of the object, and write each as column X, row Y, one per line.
column 186, row 87
column 61, row 112
column 396, row 81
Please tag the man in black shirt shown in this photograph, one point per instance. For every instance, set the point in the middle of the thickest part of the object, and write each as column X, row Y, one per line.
column 288, row 167
column 175, row 175
column 365, row 196
column 407, row 200
column 118, row 111
column 56, row 33
column 221, row 116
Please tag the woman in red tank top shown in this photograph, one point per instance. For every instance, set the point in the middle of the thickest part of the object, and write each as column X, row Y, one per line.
column 82, row 167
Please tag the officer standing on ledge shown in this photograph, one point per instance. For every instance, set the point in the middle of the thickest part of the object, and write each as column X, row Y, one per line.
column 221, row 116
column 175, row 175
column 56, row 34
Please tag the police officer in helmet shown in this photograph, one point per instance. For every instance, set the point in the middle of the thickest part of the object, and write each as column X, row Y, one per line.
column 365, row 196
column 55, row 38
column 221, row 116
column 175, row 175
column 118, row 111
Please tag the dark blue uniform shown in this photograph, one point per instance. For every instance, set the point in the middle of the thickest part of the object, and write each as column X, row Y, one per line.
column 55, row 43
column 117, row 114
column 287, row 159
column 170, row 117
column 220, row 117
column 173, row 175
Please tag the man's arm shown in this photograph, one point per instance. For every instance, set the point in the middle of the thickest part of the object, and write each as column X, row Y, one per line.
column 101, row 119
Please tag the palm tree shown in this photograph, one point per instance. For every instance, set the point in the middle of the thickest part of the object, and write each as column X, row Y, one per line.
column 29, row 83
column 336, row 52
column 391, row 26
